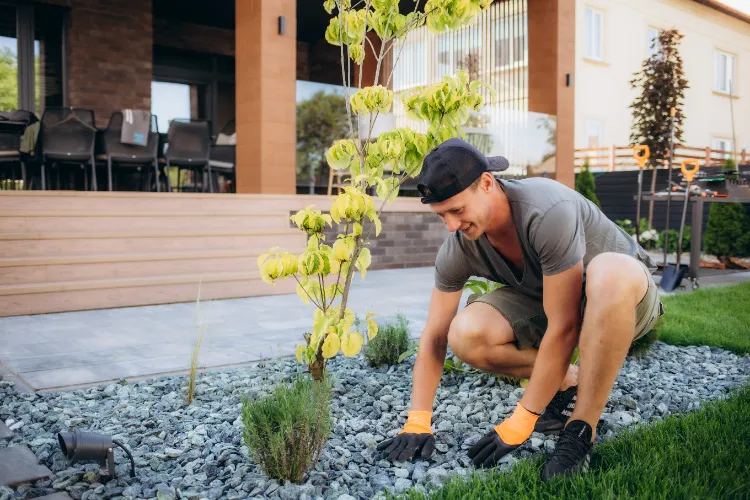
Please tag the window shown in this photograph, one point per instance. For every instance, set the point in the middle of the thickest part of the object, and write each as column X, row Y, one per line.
column 8, row 59
column 724, row 71
column 594, row 134
column 719, row 144
column 410, row 70
column 31, row 57
column 510, row 41
column 458, row 50
column 594, row 40
column 653, row 46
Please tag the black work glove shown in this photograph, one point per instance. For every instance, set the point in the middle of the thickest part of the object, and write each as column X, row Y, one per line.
column 415, row 440
column 407, row 445
column 488, row 451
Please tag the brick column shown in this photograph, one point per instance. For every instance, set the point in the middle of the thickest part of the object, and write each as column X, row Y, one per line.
column 551, row 58
column 266, row 95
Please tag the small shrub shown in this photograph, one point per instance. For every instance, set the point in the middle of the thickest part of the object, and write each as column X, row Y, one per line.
column 674, row 239
column 729, row 165
column 643, row 345
column 480, row 287
column 286, row 430
column 726, row 230
column 586, row 185
column 387, row 346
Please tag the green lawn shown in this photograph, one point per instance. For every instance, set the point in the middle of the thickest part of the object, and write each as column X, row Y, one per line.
column 704, row 454
column 716, row 316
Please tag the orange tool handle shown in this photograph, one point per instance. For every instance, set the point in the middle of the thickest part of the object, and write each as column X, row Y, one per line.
column 641, row 158
column 690, row 173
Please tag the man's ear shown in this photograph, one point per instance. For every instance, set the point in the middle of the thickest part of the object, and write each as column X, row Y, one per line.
column 488, row 182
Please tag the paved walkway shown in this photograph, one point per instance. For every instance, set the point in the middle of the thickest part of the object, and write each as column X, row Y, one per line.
column 80, row 348
column 90, row 347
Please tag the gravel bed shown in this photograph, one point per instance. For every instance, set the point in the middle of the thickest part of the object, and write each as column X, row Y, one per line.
column 197, row 451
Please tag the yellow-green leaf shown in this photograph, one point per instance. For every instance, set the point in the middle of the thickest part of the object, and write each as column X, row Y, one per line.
column 372, row 329
column 363, row 261
column 301, row 292
column 351, row 344
column 331, row 345
column 301, row 351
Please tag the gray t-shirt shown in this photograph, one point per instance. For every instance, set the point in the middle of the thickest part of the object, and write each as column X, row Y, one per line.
column 556, row 228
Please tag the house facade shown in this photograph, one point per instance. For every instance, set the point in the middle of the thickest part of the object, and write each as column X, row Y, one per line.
column 613, row 38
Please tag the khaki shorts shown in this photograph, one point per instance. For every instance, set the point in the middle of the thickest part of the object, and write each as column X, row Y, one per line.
column 526, row 315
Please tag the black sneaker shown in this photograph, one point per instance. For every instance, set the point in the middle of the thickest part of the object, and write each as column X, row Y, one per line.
column 558, row 411
column 572, row 453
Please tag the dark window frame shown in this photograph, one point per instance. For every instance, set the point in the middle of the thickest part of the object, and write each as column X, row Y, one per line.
column 25, row 38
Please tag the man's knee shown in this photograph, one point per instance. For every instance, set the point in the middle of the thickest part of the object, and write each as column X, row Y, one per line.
column 476, row 326
column 615, row 277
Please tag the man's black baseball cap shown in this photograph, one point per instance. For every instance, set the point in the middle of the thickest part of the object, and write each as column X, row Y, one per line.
column 453, row 166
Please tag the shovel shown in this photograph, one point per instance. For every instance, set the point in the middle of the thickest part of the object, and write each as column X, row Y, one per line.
column 673, row 275
column 641, row 159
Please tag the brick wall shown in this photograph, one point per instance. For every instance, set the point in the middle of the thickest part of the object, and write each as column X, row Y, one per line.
column 195, row 37
column 110, row 58
column 407, row 239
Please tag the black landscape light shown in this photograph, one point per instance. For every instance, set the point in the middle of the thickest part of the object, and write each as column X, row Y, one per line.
column 79, row 446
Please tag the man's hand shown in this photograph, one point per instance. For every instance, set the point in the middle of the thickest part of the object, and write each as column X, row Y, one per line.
column 416, row 439
column 503, row 438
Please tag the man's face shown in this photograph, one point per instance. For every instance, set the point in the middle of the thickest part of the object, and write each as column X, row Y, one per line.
column 468, row 211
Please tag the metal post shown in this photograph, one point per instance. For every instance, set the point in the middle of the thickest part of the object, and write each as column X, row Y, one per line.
column 696, row 239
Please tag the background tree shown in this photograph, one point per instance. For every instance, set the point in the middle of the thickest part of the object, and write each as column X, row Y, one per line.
column 8, row 80
column 662, row 85
column 586, row 185
column 321, row 120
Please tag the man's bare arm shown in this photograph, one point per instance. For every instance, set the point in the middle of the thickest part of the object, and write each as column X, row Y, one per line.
column 433, row 345
column 562, row 306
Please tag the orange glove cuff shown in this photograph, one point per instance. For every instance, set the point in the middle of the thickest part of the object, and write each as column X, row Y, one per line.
column 418, row 422
column 518, row 427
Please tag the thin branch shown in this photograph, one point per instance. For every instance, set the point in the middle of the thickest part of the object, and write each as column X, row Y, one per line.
column 343, row 72
column 308, row 295
column 364, row 50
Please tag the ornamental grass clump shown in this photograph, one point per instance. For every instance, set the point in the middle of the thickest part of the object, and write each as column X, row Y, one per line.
column 285, row 431
column 324, row 271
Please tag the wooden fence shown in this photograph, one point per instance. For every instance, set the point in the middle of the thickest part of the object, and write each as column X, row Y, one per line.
column 613, row 158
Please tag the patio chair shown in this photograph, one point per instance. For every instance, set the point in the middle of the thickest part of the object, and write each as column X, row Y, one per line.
column 189, row 148
column 69, row 137
column 223, row 157
column 13, row 125
column 128, row 157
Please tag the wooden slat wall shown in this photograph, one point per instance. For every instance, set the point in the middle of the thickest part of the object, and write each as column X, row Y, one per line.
column 68, row 251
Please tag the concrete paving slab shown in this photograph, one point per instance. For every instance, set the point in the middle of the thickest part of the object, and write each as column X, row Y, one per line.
column 89, row 347
column 18, row 465
column 5, row 433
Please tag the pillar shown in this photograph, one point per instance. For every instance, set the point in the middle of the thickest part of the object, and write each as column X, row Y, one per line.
column 265, row 79
column 551, row 74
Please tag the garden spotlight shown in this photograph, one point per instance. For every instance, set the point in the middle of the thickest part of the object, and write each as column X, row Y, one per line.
column 79, row 446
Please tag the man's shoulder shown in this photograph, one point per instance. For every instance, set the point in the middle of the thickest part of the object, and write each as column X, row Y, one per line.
column 539, row 194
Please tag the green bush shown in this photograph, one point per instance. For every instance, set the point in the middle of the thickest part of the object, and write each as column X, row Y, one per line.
column 726, row 231
column 391, row 341
column 286, row 430
column 586, row 185
column 673, row 240
column 729, row 165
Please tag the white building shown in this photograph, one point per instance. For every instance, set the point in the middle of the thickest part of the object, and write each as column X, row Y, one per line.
column 613, row 38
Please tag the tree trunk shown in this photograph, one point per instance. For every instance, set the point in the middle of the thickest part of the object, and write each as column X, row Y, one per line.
column 317, row 367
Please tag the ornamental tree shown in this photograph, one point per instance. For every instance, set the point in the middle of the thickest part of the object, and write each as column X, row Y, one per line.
column 324, row 271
